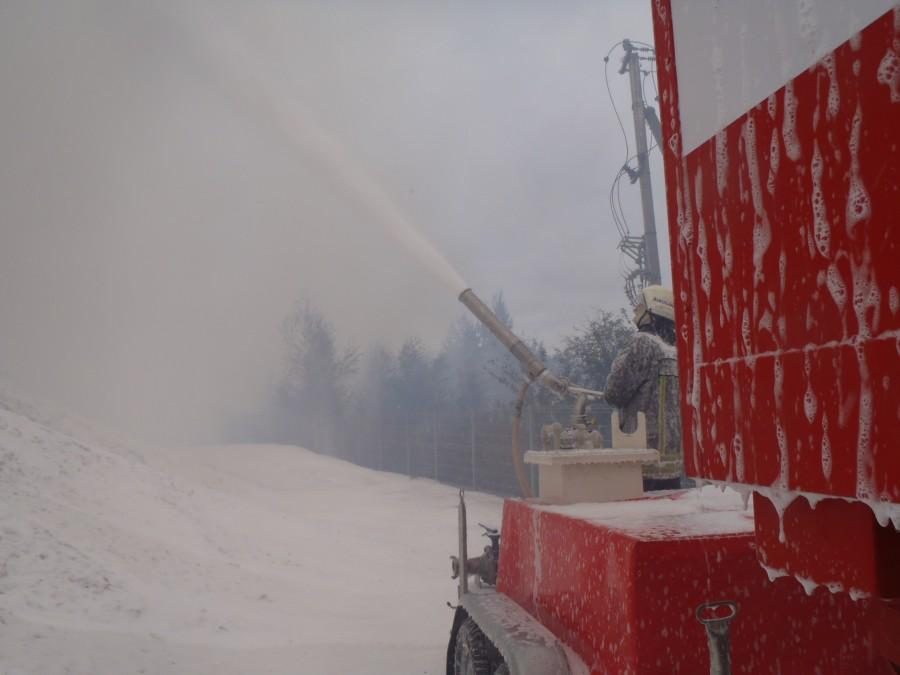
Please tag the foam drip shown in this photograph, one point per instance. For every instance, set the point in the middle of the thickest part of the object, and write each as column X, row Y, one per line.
column 821, row 226
column 826, row 448
column 702, row 251
column 889, row 69
column 859, row 206
column 737, row 447
column 774, row 162
column 745, row 332
column 762, row 230
column 836, row 286
column 789, row 124
column 889, row 74
column 721, row 161
column 834, row 92
column 810, row 403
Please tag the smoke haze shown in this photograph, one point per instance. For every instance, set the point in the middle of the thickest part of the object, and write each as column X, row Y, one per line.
column 175, row 177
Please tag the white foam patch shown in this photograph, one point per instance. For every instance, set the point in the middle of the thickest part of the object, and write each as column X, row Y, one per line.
column 836, row 286
column 721, row 161
column 834, row 91
column 859, row 205
column 789, row 124
column 825, row 449
column 889, row 72
column 821, row 226
column 762, row 230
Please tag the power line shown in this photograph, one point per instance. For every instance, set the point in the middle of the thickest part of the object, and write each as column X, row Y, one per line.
column 612, row 100
column 633, row 258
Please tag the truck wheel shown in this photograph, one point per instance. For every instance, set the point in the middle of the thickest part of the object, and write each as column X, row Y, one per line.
column 503, row 669
column 472, row 655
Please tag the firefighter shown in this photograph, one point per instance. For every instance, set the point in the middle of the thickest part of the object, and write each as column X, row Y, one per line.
column 644, row 378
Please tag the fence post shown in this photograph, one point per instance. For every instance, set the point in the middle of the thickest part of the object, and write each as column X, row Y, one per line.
column 434, row 437
column 408, row 450
column 472, row 435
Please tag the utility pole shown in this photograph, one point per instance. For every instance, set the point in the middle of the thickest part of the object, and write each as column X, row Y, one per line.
column 631, row 64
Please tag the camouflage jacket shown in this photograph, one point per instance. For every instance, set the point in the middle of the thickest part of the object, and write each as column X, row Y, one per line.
column 646, row 365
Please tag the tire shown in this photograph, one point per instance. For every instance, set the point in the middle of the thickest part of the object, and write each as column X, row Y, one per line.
column 503, row 669
column 473, row 653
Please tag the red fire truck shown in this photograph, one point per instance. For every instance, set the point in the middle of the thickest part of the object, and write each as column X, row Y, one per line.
column 781, row 144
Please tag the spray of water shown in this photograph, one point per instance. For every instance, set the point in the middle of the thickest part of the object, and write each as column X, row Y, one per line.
column 245, row 78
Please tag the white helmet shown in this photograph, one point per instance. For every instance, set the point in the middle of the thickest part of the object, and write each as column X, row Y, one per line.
column 655, row 301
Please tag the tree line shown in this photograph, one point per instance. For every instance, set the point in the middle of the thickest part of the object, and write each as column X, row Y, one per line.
column 445, row 414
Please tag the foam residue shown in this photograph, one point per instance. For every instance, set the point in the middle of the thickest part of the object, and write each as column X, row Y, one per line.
column 809, row 585
column 810, row 403
column 774, row 572
column 893, row 300
column 772, row 105
column 774, row 161
column 866, row 295
column 702, row 251
column 745, row 332
column 834, row 92
column 889, row 68
column 859, row 206
column 685, row 223
column 727, row 255
column 782, row 270
column 826, row 448
column 762, row 230
column 537, row 560
column 836, row 286
column 784, row 457
column 821, row 226
column 737, row 447
column 789, row 124
column 858, row 594
column 856, row 42
column 765, row 322
column 721, row 161
column 780, row 499
column 889, row 73
column 778, row 386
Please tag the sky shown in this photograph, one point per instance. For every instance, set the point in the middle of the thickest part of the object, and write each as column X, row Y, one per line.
column 175, row 176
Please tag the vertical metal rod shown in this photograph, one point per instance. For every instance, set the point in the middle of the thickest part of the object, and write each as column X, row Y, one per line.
column 463, row 545
column 408, row 450
column 632, row 64
column 717, row 625
column 472, row 438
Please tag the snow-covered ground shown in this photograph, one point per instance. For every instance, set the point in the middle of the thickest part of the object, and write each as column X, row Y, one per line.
column 117, row 558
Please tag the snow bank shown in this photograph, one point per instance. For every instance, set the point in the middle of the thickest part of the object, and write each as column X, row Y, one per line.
column 251, row 559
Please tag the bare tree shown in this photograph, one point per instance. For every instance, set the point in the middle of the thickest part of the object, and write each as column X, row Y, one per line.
column 315, row 386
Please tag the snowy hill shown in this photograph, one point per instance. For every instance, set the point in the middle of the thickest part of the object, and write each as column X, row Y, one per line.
column 120, row 559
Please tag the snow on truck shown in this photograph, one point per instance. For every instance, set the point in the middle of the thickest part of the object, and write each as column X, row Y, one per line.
column 780, row 129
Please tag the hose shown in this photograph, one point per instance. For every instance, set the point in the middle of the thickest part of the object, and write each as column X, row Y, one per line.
column 524, row 483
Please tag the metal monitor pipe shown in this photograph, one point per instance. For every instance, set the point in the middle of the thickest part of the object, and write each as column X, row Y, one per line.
column 536, row 371
column 533, row 365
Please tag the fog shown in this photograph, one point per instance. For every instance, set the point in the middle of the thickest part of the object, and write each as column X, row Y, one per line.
column 175, row 177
